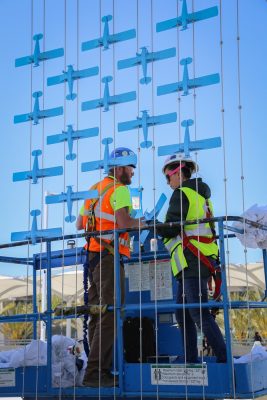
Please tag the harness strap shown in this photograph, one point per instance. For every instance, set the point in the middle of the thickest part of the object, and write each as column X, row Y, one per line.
column 187, row 244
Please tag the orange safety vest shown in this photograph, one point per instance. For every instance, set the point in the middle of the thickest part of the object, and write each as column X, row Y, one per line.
column 105, row 219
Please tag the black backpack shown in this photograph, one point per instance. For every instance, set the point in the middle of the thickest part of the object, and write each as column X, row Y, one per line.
column 131, row 337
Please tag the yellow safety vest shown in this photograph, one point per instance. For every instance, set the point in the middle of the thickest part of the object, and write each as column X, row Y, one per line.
column 199, row 208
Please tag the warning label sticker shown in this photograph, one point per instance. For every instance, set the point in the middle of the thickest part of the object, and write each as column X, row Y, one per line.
column 179, row 374
column 7, row 377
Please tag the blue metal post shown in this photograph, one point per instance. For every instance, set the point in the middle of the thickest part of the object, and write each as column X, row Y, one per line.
column 49, row 318
column 34, row 299
column 264, row 254
column 226, row 308
column 118, row 308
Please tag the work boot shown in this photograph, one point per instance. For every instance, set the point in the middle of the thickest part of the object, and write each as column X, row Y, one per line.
column 106, row 380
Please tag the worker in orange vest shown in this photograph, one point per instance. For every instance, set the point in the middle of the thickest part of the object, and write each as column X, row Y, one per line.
column 110, row 211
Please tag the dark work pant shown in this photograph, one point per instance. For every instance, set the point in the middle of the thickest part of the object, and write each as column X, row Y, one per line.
column 190, row 317
column 101, row 328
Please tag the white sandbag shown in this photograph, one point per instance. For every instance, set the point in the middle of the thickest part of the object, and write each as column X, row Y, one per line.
column 253, row 237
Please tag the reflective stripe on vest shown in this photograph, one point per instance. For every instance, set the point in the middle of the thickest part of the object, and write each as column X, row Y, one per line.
column 197, row 210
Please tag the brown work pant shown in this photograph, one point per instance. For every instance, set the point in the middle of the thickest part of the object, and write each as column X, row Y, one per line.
column 101, row 328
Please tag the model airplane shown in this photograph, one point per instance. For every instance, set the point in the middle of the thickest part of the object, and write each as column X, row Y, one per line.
column 108, row 100
column 150, row 216
column 187, row 83
column 144, row 58
column 69, row 197
column 37, row 56
column 144, row 122
column 189, row 145
column 108, row 162
column 34, row 234
column 69, row 136
column 108, row 39
column 36, row 172
column 69, row 76
column 37, row 114
column 187, row 18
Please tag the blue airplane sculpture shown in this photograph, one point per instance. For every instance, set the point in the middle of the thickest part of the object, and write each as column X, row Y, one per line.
column 69, row 197
column 144, row 122
column 37, row 56
column 187, row 83
column 36, row 172
column 144, row 58
column 108, row 100
column 149, row 216
column 108, row 162
column 69, row 76
column 37, row 114
column 34, row 234
column 189, row 145
column 108, row 39
column 187, row 18
column 69, row 136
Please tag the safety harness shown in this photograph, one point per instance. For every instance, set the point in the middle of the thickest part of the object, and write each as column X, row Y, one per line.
column 89, row 266
column 215, row 272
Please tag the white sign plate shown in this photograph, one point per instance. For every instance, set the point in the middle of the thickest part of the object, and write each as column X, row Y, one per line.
column 7, row 377
column 179, row 374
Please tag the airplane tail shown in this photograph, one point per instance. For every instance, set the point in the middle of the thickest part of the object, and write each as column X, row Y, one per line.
column 70, row 218
column 145, row 80
column 146, row 144
column 70, row 157
column 71, row 96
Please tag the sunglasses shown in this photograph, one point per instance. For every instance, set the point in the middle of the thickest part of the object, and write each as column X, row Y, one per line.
column 171, row 173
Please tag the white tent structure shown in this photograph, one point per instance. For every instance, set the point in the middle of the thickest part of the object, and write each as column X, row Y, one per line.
column 69, row 285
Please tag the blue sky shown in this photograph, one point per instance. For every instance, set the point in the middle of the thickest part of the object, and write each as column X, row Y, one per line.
column 61, row 30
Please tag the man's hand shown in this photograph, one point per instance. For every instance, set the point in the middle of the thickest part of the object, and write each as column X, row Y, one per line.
column 124, row 220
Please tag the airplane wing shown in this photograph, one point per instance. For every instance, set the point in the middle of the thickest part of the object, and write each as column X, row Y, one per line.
column 51, row 54
column 22, row 176
column 149, row 216
column 55, row 80
column 122, row 98
column 168, row 24
column 54, row 171
column 88, row 194
column 203, row 14
column 91, row 44
column 160, row 55
column 205, row 144
column 129, row 62
column 169, row 88
column 170, row 149
column 162, row 119
column 59, row 198
column 91, row 104
column 19, row 62
column 51, row 112
column 85, row 133
column 84, row 73
column 23, row 235
column 126, row 35
column 22, row 118
column 125, row 126
column 204, row 81
column 48, row 233
column 92, row 165
column 52, row 139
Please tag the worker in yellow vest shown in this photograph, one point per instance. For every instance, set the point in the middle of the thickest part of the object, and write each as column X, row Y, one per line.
column 194, row 254
column 110, row 212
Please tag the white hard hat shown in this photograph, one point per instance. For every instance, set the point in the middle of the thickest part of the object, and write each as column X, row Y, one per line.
column 176, row 158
